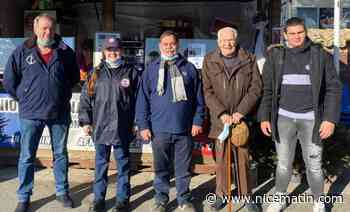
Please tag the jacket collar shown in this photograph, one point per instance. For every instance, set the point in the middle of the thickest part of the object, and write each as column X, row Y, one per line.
column 242, row 55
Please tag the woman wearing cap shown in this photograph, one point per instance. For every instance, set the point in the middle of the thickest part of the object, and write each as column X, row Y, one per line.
column 106, row 112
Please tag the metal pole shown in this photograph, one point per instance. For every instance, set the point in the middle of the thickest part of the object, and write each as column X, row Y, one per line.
column 337, row 15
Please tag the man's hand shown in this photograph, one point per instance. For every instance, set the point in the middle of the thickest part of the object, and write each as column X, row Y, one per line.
column 265, row 127
column 326, row 129
column 236, row 117
column 87, row 129
column 146, row 134
column 226, row 119
column 196, row 130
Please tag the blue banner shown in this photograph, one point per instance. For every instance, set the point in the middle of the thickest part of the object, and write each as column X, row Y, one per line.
column 9, row 122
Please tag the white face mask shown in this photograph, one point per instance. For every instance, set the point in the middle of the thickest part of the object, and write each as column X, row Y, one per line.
column 169, row 58
column 224, row 133
column 114, row 63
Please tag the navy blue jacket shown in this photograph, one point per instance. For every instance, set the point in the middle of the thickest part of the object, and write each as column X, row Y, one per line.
column 43, row 91
column 159, row 113
column 111, row 108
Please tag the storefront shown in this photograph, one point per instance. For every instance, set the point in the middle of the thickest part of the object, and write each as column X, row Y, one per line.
column 139, row 25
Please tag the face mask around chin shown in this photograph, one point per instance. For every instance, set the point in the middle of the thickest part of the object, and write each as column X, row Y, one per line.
column 45, row 43
column 164, row 57
column 114, row 63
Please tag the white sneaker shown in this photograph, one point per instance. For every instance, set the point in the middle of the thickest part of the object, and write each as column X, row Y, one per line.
column 277, row 206
column 319, row 206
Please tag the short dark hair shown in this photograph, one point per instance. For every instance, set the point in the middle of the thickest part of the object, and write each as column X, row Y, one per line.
column 294, row 21
column 169, row 33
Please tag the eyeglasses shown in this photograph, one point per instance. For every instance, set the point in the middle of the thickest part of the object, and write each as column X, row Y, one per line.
column 295, row 33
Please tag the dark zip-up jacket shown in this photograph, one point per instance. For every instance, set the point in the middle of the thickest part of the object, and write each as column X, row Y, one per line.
column 232, row 91
column 325, row 83
column 43, row 91
column 111, row 109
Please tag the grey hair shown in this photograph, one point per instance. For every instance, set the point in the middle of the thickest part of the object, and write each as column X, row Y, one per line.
column 228, row 29
column 44, row 15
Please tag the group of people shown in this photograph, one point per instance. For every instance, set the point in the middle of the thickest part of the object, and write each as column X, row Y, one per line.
column 296, row 98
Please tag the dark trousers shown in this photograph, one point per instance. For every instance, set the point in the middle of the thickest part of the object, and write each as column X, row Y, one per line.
column 102, row 157
column 172, row 150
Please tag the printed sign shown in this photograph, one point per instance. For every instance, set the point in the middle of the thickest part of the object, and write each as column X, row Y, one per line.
column 10, row 134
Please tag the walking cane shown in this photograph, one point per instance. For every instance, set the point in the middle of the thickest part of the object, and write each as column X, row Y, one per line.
column 228, row 160
column 235, row 170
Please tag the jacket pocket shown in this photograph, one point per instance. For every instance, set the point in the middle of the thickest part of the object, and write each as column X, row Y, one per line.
column 24, row 88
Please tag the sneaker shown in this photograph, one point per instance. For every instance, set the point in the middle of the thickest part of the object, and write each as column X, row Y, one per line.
column 278, row 205
column 253, row 207
column 98, row 206
column 158, row 207
column 218, row 204
column 187, row 207
column 121, row 206
column 22, row 207
column 65, row 200
column 319, row 206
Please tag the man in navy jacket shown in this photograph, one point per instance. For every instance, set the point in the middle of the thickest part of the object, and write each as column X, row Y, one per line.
column 169, row 109
column 40, row 75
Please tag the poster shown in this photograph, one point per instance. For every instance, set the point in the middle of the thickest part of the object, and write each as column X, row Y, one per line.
column 10, row 133
column 326, row 18
column 192, row 49
column 196, row 53
column 9, row 122
column 309, row 15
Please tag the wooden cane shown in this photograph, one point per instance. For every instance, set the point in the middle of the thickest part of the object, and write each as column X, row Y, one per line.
column 236, row 170
column 228, row 160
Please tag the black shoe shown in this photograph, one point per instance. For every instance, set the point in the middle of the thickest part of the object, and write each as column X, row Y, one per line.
column 66, row 200
column 22, row 207
column 121, row 206
column 98, row 206
column 219, row 204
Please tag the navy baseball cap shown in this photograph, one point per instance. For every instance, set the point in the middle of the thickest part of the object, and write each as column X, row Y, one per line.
column 114, row 43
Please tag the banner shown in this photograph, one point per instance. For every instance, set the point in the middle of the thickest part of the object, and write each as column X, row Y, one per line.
column 10, row 133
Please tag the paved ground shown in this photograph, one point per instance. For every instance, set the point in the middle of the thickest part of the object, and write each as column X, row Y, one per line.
column 142, row 192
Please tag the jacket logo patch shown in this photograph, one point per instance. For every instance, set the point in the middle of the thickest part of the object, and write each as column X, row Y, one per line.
column 125, row 83
column 184, row 73
column 307, row 67
column 30, row 60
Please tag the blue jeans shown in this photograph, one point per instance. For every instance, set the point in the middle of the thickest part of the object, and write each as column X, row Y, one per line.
column 121, row 155
column 168, row 149
column 291, row 130
column 31, row 131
